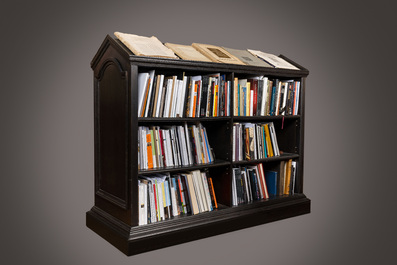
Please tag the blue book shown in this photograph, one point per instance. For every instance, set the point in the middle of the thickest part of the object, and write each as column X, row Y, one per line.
column 273, row 103
column 271, row 182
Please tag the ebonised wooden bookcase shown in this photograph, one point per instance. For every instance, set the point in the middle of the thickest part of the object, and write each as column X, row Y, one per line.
column 115, row 213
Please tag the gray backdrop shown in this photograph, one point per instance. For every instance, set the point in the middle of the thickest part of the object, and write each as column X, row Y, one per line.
column 47, row 126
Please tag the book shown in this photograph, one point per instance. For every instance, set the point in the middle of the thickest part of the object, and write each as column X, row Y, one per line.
column 142, row 189
column 212, row 192
column 187, row 52
column 273, row 60
column 271, row 182
column 248, row 58
column 216, row 54
column 192, row 193
column 143, row 79
column 287, row 180
column 145, row 46
column 178, row 145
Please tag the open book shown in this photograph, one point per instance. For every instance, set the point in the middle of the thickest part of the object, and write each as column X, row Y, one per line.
column 274, row 60
column 248, row 58
column 187, row 52
column 216, row 54
column 145, row 46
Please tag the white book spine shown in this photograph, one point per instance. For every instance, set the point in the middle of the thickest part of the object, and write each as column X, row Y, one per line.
column 158, row 107
column 297, row 97
column 274, row 139
column 167, row 99
column 142, row 85
column 183, row 95
column 197, row 191
column 173, row 200
column 174, row 98
column 264, row 95
column 207, row 190
column 234, row 192
column 169, row 148
column 189, row 151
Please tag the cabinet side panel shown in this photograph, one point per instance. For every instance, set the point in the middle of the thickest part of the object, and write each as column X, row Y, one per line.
column 299, row 180
column 111, row 134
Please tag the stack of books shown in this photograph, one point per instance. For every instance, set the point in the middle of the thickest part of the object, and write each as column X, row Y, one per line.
column 171, row 146
column 252, row 141
column 253, row 183
column 164, row 196
column 261, row 96
column 185, row 96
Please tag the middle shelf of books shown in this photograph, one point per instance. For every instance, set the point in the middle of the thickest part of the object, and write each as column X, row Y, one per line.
column 211, row 141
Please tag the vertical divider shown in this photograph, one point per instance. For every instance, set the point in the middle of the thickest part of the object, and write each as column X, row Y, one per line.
column 133, row 137
column 301, row 137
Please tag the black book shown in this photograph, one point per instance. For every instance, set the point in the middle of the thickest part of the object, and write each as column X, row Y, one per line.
column 186, row 195
column 212, row 99
column 204, row 95
column 259, row 97
column 291, row 95
column 162, row 102
column 256, row 195
column 282, row 95
column 174, row 184
column 152, row 98
column 241, row 198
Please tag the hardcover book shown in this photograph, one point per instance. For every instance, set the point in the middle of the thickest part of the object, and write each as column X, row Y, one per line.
column 187, row 52
column 273, row 60
column 248, row 58
column 216, row 54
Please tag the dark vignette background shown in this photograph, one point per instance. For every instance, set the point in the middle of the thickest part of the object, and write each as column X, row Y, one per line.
column 47, row 126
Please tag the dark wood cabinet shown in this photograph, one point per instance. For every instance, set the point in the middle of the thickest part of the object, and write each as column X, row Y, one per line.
column 115, row 213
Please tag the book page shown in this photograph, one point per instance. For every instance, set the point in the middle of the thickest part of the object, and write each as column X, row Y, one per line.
column 273, row 60
column 216, row 53
column 187, row 52
column 145, row 46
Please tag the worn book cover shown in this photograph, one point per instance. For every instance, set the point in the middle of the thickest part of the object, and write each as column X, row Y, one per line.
column 273, row 60
column 187, row 52
column 216, row 54
column 145, row 46
column 248, row 58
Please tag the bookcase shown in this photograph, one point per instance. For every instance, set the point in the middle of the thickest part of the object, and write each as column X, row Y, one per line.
column 115, row 214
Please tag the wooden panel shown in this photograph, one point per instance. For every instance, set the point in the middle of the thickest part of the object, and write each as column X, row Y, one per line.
column 111, row 133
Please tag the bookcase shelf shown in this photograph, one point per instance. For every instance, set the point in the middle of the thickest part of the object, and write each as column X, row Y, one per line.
column 115, row 214
column 284, row 156
column 217, row 163
column 182, row 120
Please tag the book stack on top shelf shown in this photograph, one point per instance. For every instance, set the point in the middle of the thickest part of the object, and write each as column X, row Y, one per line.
column 192, row 141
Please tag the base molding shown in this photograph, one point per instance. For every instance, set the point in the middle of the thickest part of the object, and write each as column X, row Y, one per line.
column 139, row 239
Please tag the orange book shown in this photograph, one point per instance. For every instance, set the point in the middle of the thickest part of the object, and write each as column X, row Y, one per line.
column 263, row 181
column 212, row 192
column 287, row 177
column 149, row 150
column 194, row 100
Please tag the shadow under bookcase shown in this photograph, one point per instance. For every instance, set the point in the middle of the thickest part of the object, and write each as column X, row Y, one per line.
column 115, row 214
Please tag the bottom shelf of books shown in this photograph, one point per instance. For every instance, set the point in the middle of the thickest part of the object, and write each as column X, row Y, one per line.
column 164, row 196
column 181, row 206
